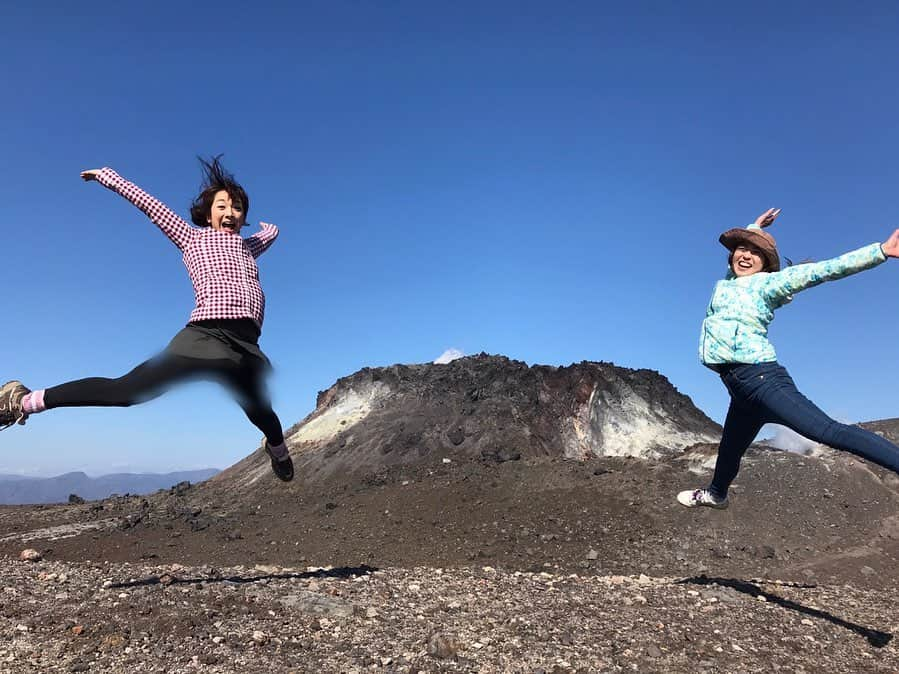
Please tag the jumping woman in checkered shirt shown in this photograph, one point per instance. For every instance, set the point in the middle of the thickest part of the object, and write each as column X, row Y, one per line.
column 221, row 340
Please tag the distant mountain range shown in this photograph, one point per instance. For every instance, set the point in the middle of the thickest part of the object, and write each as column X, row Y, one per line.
column 16, row 489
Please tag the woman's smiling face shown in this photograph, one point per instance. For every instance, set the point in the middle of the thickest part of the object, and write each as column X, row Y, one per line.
column 226, row 215
column 747, row 260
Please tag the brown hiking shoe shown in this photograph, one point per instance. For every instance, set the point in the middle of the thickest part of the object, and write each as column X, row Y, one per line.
column 11, row 394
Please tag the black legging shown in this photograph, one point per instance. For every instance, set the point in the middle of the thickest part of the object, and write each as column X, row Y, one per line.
column 152, row 378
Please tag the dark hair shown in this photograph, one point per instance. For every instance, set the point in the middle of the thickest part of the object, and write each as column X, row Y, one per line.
column 215, row 179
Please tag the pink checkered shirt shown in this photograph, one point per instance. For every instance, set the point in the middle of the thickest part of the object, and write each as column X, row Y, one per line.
column 221, row 265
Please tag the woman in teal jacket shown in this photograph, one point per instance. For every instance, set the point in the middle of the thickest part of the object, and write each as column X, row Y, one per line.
column 735, row 344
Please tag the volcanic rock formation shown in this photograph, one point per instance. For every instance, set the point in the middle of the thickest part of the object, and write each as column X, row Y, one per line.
column 492, row 407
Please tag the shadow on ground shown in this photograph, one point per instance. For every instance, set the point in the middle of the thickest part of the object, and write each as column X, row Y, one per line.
column 875, row 637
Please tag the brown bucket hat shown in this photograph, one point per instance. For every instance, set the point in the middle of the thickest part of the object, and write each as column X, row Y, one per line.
column 758, row 238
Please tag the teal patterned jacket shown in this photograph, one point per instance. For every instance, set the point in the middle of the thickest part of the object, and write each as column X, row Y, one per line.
column 735, row 329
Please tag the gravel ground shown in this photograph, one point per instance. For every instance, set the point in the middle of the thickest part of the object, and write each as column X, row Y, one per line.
column 105, row 617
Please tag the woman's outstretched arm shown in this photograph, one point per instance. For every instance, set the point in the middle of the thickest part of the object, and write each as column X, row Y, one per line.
column 171, row 224
column 789, row 281
column 260, row 241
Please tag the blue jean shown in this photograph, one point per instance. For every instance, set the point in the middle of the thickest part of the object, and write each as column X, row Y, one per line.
column 765, row 393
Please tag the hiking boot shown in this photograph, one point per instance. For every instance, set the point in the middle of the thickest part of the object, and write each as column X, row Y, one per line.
column 11, row 394
column 282, row 468
column 693, row 498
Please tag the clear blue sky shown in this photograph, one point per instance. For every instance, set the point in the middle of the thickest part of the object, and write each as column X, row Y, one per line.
column 541, row 180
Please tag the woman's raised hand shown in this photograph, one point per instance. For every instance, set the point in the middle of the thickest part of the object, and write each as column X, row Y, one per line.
column 90, row 174
column 768, row 217
column 891, row 247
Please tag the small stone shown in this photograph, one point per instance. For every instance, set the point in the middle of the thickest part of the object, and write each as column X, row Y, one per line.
column 112, row 642
column 501, row 455
column 443, row 646
column 653, row 651
column 30, row 555
column 78, row 630
column 320, row 604
column 456, row 436
column 593, row 554
column 268, row 569
column 867, row 571
column 260, row 637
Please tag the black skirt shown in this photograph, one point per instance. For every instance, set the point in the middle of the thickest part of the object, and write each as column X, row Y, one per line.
column 234, row 340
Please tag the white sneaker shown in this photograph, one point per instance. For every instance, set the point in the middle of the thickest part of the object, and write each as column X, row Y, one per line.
column 701, row 497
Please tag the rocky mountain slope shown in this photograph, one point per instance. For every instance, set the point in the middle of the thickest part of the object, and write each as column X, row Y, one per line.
column 489, row 407
column 888, row 428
